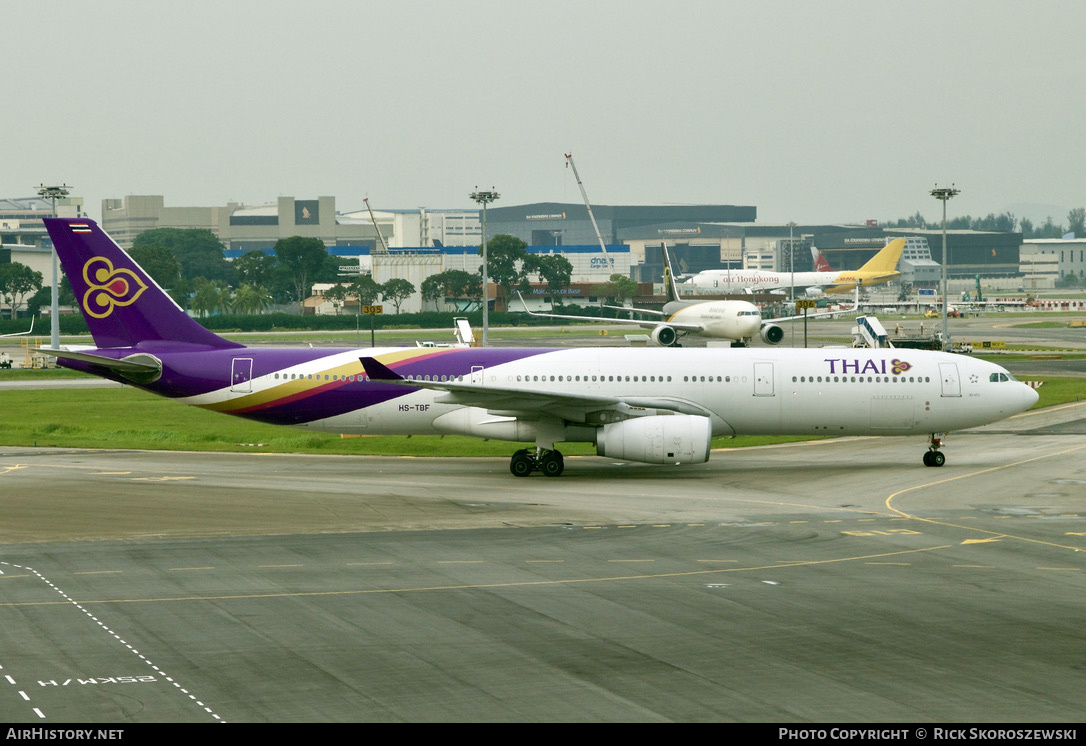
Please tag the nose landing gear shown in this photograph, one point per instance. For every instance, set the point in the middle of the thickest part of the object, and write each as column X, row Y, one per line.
column 933, row 456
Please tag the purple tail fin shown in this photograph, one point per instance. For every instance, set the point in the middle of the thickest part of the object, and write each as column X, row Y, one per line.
column 123, row 306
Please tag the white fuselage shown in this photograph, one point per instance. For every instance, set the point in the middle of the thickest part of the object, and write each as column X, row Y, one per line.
column 740, row 280
column 741, row 391
column 724, row 319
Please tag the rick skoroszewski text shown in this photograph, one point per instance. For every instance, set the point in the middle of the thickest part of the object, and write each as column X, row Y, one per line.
column 934, row 734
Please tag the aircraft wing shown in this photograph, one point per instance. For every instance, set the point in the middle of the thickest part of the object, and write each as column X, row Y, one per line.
column 529, row 404
column 855, row 307
column 676, row 325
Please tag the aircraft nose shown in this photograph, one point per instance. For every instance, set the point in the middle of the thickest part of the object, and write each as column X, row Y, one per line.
column 1029, row 397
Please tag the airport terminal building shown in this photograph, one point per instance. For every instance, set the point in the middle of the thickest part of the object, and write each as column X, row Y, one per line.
column 424, row 241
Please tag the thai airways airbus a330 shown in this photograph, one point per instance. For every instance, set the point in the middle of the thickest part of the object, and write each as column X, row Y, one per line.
column 651, row 405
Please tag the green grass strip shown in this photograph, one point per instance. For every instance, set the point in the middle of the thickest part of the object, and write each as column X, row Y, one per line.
column 129, row 418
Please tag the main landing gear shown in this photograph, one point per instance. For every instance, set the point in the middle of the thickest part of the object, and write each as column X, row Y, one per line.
column 933, row 456
column 525, row 461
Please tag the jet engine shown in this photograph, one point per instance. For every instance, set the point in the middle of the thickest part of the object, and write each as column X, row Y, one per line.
column 659, row 439
column 772, row 334
column 664, row 335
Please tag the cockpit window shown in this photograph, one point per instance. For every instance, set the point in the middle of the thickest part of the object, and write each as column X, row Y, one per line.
column 1000, row 377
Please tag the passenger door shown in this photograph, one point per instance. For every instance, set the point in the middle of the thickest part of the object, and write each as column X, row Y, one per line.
column 241, row 375
column 948, row 372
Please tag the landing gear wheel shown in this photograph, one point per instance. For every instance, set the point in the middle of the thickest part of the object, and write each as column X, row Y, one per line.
column 552, row 464
column 522, row 464
column 934, row 458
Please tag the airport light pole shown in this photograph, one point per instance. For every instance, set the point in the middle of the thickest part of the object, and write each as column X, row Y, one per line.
column 943, row 194
column 484, row 198
column 52, row 193
column 792, row 264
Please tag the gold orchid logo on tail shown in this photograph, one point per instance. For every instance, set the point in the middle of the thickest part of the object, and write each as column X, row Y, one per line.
column 108, row 288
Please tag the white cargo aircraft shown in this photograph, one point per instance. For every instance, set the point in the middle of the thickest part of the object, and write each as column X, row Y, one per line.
column 737, row 320
column 880, row 269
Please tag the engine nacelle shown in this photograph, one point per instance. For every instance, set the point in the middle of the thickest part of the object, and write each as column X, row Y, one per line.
column 772, row 334
column 660, row 439
column 814, row 292
column 664, row 335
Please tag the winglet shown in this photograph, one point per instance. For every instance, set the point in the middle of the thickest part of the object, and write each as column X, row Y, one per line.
column 22, row 334
column 379, row 371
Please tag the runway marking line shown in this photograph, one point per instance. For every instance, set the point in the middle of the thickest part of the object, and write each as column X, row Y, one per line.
column 994, row 534
column 188, row 569
column 71, row 602
column 480, row 586
column 1045, row 410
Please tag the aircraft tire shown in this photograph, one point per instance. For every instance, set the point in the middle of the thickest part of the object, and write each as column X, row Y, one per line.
column 934, row 458
column 521, row 465
column 553, row 464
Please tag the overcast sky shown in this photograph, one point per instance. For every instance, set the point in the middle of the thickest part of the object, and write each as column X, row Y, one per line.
column 831, row 111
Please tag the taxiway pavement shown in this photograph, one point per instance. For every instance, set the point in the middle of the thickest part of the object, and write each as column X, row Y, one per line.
column 834, row 581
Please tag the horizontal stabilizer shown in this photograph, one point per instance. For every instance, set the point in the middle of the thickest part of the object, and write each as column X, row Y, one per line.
column 138, row 368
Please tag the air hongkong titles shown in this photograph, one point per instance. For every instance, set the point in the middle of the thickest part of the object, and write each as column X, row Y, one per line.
column 859, row 367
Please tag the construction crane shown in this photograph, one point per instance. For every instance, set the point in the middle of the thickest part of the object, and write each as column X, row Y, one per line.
column 375, row 226
column 599, row 237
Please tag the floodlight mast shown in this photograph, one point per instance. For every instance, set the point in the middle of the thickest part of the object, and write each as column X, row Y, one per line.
column 943, row 194
column 792, row 269
column 52, row 193
column 484, row 198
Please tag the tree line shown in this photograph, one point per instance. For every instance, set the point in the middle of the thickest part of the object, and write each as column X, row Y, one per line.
column 1005, row 222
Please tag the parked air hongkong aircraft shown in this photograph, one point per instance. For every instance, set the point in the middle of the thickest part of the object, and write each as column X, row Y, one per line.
column 737, row 320
column 880, row 269
column 659, row 406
